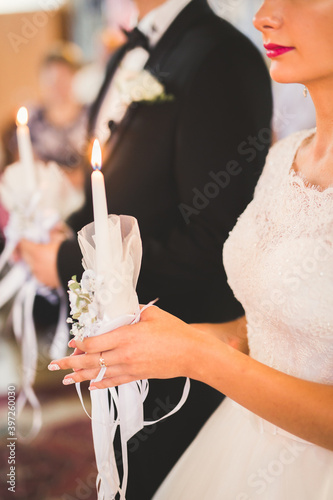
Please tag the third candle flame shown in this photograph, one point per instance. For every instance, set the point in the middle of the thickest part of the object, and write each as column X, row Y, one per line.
column 22, row 116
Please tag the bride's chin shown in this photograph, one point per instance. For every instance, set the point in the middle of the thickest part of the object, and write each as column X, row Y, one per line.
column 280, row 75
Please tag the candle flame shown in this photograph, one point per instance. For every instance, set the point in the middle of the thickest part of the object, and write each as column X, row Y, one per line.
column 22, row 116
column 96, row 156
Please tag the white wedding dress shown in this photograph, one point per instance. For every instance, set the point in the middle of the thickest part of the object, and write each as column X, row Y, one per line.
column 279, row 261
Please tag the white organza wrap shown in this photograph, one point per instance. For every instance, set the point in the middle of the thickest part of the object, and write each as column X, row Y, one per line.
column 118, row 296
column 119, row 306
column 32, row 215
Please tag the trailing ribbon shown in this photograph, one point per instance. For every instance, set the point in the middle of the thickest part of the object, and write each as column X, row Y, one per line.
column 20, row 284
column 25, row 334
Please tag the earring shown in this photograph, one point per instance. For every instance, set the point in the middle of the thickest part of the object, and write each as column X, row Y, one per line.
column 305, row 92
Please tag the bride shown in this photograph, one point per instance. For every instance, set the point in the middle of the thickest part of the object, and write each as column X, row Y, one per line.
column 272, row 437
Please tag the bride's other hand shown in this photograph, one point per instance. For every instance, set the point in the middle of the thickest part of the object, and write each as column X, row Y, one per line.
column 159, row 346
column 233, row 333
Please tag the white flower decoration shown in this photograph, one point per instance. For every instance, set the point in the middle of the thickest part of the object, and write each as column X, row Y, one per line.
column 83, row 305
column 140, row 86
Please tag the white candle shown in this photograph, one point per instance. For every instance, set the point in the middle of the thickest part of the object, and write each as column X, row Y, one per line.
column 25, row 149
column 102, row 235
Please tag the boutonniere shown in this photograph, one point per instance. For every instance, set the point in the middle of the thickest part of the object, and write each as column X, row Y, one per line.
column 140, row 86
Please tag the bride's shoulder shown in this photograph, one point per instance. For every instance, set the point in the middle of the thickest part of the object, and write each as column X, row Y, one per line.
column 289, row 144
column 280, row 158
column 281, row 154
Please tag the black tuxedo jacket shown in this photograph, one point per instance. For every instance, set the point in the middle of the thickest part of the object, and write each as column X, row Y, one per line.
column 186, row 169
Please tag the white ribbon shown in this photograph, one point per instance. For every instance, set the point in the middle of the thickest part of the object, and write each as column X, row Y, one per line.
column 7, row 253
column 121, row 407
column 25, row 334
column 12, row 282
column 19, row 283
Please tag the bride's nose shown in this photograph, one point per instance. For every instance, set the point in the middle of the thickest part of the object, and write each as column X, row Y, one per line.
column 269, row 16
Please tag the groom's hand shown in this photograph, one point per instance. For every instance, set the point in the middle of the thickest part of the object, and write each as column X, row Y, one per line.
column 42, row 260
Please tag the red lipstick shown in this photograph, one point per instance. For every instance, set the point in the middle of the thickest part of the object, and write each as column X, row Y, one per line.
column 274, row 50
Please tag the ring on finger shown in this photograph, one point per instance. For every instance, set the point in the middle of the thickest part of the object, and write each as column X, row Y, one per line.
column 102, row 363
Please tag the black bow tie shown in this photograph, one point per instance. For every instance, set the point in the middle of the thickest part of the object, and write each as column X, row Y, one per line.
column 135, row 38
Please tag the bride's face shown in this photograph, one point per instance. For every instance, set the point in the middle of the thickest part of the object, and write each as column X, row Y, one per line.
column 298, row 37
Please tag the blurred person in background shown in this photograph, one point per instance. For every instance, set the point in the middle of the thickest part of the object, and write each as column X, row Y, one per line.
column 58, row 123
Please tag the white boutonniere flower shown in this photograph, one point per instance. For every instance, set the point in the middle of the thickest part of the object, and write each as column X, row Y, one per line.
column 140, row 86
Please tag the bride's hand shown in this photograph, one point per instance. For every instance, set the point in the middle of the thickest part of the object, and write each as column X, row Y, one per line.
column 233, row 333
column 159, row 346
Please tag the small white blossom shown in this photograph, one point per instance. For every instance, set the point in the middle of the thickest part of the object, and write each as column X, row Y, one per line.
column 88, row 281
column 83, row 306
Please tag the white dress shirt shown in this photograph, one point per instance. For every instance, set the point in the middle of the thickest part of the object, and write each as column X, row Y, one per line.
column 153, row 25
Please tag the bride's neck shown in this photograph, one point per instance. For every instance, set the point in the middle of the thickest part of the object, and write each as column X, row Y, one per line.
column 322, row 99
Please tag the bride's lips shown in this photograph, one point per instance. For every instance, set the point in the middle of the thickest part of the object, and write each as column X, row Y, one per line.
column 274, row 50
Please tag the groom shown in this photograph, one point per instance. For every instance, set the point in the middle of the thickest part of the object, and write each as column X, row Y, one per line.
column 184, row 162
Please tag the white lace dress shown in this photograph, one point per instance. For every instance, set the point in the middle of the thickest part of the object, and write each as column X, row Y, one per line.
column 279, row 261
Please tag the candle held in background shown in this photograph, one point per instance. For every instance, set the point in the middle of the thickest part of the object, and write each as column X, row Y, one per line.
column 25, row 149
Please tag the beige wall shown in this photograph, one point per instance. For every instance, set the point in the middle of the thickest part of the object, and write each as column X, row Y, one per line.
column 24, row 38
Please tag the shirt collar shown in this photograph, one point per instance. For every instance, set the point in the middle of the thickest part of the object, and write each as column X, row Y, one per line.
column 157, row 21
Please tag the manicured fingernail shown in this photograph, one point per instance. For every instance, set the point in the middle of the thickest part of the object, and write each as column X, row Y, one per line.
column 68, row 381
column 53, row 367
column 92, row 388
column 71, row 343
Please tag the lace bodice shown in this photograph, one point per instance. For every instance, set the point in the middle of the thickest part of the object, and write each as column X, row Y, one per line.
column 279, row 262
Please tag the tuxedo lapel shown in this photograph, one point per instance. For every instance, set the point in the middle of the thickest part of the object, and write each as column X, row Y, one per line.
column 110, row 71
column 189, row 16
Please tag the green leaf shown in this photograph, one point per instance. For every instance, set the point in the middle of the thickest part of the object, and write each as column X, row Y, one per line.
column 74, row 287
